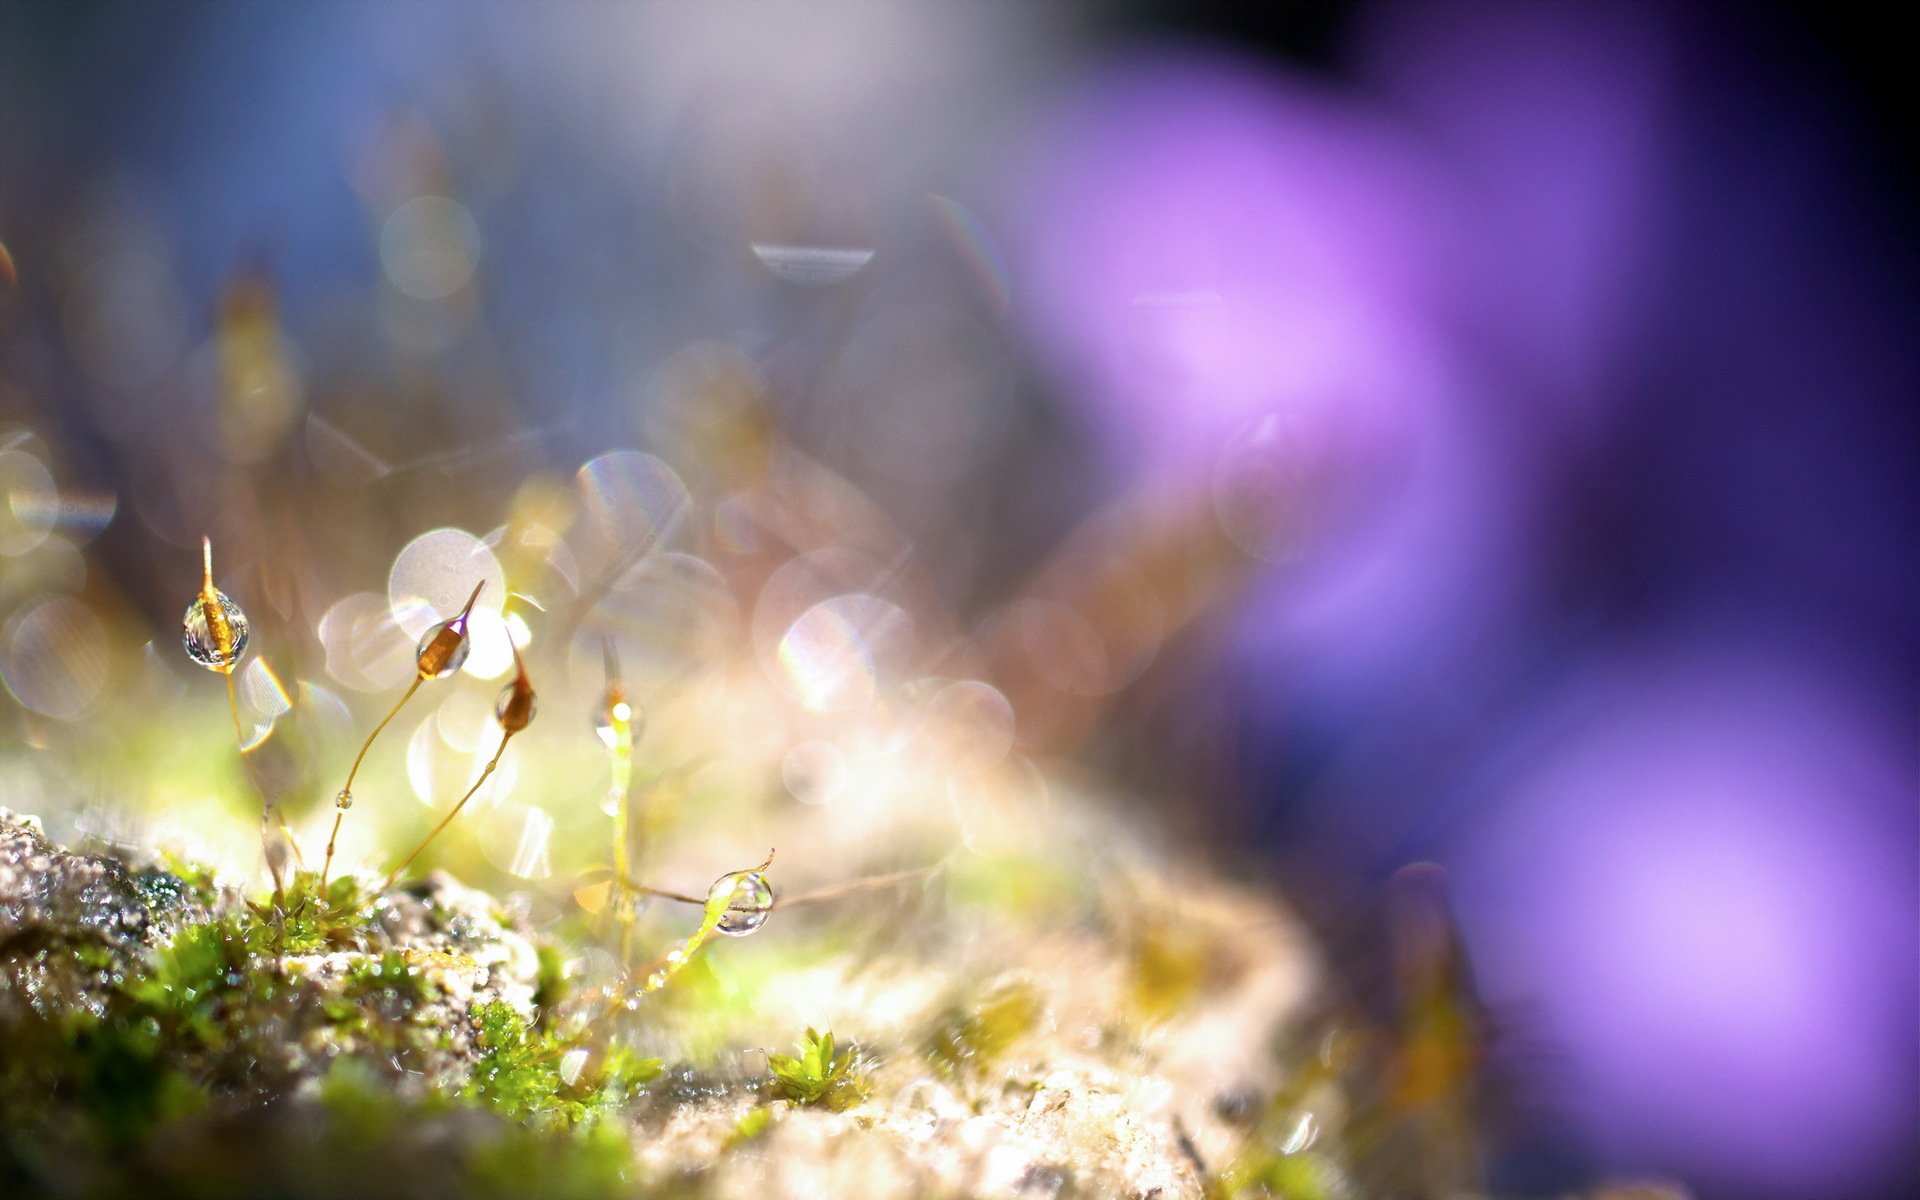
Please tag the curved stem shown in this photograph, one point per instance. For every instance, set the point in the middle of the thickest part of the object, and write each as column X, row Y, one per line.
column 354, row 770
column 493, row 762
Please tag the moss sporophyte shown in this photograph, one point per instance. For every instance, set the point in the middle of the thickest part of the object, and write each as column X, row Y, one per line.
column 443, row 650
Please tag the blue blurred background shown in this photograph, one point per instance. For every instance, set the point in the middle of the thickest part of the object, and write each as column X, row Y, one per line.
column 1478, row 433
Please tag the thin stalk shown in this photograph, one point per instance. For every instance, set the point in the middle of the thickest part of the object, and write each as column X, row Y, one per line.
column 268, row 810
column 493, row 762
column 341, row 814
column 817, row 896
column 619, row 739
column 656, row 974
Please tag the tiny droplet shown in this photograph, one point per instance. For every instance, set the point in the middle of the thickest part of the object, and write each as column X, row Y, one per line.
column 444, row 648
column 751, row 899
column 202, row 645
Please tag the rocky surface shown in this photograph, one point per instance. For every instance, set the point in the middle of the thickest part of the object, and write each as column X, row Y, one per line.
column 1099, row 1052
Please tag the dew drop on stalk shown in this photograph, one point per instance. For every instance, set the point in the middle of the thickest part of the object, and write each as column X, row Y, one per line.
column 440, row 665
column 201, row 636
column 751, row 899
column 344, row 800
column 444, row 647
column 617, row 718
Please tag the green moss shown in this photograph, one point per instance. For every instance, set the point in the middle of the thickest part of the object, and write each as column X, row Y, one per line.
column 1166, row 968
column 550, row 984
column 751, row 1125
column 522, row 1073
column 974, row 1039
column 311, row 920
column 519, row 1162
column 820, row 1073
column 1284, row 1176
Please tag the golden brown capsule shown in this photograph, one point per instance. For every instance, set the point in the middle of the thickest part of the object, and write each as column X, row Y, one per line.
column 514, row 709
column 445, row 647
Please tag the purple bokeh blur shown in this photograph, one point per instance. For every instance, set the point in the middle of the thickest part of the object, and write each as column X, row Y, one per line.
column 1588, row 314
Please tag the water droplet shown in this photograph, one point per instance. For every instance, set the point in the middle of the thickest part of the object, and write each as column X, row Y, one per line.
column 202, row 645
column 344, row 800
column 751, row 901
column 616, row 716
column 444, row 649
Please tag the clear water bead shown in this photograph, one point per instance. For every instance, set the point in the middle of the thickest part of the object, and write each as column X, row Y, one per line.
column 197, row 634
column 454, row 628
column 751, row 901
column 344, row 800
column 613, row 711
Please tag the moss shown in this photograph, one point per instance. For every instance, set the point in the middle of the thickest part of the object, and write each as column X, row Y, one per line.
column 526, row 1074
column 974, row 1039
column 751, row 1125
column 310, row 920
column 520, row 1162
column 1166, row 968
column 1284, row 1176
column 550, row 985
column 820, row 1073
